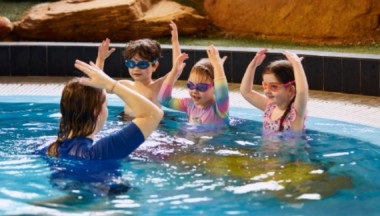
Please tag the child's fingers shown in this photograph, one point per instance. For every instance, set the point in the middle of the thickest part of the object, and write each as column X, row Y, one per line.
column 212, row 51
column 292, row 56
column 94, row 67
column 183, row 56
column 183, row 65
column 224, row 58
column 261, row 52
column 173, row 25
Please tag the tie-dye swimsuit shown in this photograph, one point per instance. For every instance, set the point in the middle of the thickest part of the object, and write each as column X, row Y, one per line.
column 213, row 114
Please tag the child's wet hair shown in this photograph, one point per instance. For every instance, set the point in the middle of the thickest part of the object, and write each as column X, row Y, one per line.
column 204, row 69
column 281, row 69
column 147, row 49
column 80, row 108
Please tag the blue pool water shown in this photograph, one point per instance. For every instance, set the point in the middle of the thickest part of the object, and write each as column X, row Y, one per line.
column 333, row 170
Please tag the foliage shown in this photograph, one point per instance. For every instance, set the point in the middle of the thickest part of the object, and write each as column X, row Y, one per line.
column 14, row 10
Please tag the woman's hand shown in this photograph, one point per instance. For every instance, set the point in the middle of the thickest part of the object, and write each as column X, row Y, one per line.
column 96, row 77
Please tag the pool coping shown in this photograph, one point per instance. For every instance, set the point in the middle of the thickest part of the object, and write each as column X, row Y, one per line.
column 351, row 108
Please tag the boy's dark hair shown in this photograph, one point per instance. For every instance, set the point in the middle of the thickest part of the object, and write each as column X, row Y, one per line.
column 147, row 49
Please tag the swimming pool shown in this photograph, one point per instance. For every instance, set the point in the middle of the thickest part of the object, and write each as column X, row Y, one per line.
column 332, row 170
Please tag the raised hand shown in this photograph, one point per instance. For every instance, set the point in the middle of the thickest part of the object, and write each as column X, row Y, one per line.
column 179, row 64
column 259, row 58
column 213, row 55
column 96, row 77
column 174, row 31
column 104, row 50
column 176, row 50
column 292, row 57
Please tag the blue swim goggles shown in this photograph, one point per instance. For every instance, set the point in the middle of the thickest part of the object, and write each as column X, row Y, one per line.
column 129, row 63
column 202, row 87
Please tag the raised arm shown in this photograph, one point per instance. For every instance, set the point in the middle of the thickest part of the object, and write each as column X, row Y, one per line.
column 148, row 115
column 176, row 49
column 302, row 87
column 165, row 94
column 220, row 81
column 253, row 97
column 103, row 53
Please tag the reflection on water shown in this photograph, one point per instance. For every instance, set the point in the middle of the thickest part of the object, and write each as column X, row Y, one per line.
column 285, row 170
column 180, row 170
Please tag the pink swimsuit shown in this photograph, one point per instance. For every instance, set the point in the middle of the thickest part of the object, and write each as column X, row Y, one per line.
column 274, row 125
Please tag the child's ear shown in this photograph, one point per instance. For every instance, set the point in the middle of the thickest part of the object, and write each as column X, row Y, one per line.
column 155, row 66
column 292, row 89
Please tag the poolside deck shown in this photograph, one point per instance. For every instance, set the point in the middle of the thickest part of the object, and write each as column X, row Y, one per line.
column 344, row 107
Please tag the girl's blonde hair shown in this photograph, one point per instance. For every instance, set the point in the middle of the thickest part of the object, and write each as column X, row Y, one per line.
column 204, row 69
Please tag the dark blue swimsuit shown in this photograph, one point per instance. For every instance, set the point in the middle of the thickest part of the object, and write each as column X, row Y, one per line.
column 93, row 167
column 117, row 145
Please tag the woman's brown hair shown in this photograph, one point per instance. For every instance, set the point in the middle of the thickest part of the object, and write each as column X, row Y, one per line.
column 80, row 107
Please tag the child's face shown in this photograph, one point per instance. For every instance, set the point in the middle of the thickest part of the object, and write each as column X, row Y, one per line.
column 137, row 70
column 275, row 91
column 201, row 98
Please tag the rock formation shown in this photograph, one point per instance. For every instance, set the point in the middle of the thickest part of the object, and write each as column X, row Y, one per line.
column 6, row 27
column 323, row 21
column 303, row 21
column 120, row 20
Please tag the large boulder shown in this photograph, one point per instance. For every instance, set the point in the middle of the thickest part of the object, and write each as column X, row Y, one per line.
column 326, row 21
column 6, row 27
column 120, row 20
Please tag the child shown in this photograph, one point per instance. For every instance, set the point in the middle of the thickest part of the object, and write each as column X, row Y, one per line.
column 208, row 89
column 142, row 60
column 286, row 92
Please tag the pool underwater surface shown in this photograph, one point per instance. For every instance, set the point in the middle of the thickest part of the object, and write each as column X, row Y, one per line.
column 332, row 170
